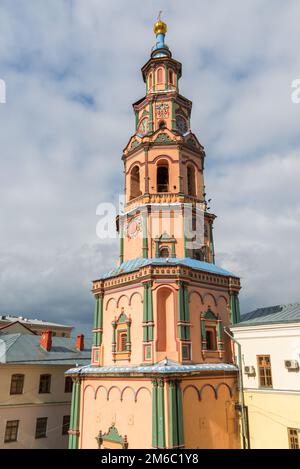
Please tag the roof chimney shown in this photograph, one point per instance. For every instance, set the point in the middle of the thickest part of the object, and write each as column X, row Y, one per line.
column 46, row 340
column 80, row 342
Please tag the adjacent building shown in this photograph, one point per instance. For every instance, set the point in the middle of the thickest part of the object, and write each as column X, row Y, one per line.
column 162, row 373
column 270, row 346
column 37, row 325
column 35, row 396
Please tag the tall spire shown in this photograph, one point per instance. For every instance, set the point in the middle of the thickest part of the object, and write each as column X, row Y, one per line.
column 160, row 28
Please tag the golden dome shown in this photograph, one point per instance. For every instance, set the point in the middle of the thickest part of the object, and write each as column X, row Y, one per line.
column 160, row 27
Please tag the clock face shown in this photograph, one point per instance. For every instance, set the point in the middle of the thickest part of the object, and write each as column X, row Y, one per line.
column 144, row 127
column 181, row 124
column 134, row 227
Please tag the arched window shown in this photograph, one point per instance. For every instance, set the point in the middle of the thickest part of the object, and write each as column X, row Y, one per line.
column 191, row 182
column 164, row 251
column 162, row 125
column 150, row 80
column 135, row 190
column 121, row 340
column 211, row 332
column 162, row 179
column 159, row 75
column 211, row 338
column 171, row 77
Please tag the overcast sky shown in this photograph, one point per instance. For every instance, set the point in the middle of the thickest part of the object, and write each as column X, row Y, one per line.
column 72, row 71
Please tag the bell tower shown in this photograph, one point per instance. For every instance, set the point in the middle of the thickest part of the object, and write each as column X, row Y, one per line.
column 164, row 164
column 162, row 370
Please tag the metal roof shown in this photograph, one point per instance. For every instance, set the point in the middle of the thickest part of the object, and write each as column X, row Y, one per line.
column 39, row 322
column 163, row 367
column 26, row 349
column 135, row 264
column 271, row 315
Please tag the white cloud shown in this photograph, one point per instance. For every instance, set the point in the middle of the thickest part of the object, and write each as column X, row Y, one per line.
column 259, row 227
column 72, row 70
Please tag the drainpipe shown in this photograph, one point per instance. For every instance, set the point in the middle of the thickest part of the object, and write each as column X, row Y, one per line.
column 241, row 388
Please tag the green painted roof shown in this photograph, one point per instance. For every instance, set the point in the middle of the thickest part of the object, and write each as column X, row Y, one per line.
column 25, row 349
column 135, row 264
column 271, row 315
column 164, row 367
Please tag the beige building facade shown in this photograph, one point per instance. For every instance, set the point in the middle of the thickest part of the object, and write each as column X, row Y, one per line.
column 35, row 396
column 270, row 347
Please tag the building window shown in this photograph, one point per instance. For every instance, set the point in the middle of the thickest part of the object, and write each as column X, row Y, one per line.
column 68, row 384
column 293, row 435
column 17, row 384
column 211, row 339
column 41, row 427
column 122, row 340
column 160, row 75
column 191, row 180
column 162, row 178
column 45, row 384
column 11, row 431
column 135, row 190
column 171, row 77
column 164, row 251
column 66, row 424
column 211, row 333
column 264, row 371
column 63, row 334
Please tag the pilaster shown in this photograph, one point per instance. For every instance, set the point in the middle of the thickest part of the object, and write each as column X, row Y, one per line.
column 75, row 415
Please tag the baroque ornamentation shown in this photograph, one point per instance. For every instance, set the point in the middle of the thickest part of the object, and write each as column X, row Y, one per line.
column 163, row 138
column 133, row 228
column 134, row 144
column 191, row 142
column 162, row 110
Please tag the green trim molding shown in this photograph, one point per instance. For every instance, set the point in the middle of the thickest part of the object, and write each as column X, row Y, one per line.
column 176, row 414
column 75, row 415
column 98, row 321
column 148, row 325
column 183, row 312
column 145, row 235
column 158, row 414
column 211, row 243
column 150, row 312
column 235, row 308
column 154, row 413
column 114, row 338
column 161, row 439
column 173, row 114
column 112, row 436
column 166, row 77
column 145, row 313
column 136, row 120
column 121, row 242
column 151, row 110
